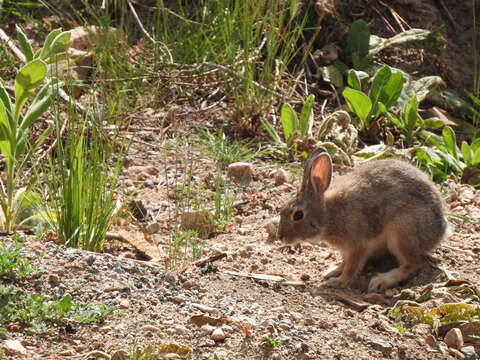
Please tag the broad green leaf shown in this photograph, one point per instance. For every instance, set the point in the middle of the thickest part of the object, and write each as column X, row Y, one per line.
column 39, row 105
column 475, row 145
column 433, row 123
column 24, row 44
column 46, row 50
column 353, row 80
column 358, row 41
column 410, row 114
column 390, row 93
column 467, row 153
column 449, row 140
column 380, row 80
column 420, row 88
column 61, row 43
column 332, row 74
column 306, row 114
column 476, row 157
column 371, row 150
column 28, row 79
column 358, row 103
column 289, row 121
column 377, row 44
column 270, row 130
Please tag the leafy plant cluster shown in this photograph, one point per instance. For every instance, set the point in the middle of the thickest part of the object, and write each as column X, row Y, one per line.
column 12, row 263
column 386, row 101
column 37, row 312
column 78, row 181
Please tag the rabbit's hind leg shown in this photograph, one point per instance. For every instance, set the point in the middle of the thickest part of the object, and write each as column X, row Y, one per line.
column 403, row 246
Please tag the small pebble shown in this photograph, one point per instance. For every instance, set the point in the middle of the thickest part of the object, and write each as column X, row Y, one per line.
column 218, row 335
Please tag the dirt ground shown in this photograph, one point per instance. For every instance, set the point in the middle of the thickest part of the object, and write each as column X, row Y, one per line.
column 309, row 320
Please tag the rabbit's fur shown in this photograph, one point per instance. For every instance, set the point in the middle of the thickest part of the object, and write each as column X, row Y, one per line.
column 385, row 206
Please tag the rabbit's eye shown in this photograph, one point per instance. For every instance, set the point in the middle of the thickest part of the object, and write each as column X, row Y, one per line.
column 298, row 215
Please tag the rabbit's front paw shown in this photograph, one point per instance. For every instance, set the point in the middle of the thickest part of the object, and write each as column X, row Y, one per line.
column 336, row 282
column 333, row 272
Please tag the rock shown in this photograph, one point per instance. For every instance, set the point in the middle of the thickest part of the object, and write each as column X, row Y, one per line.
column 280, row 177
column 180, row 330
column 152, row 328
column 454, row 338
column 153, row 227
column 179, row 299
column 469, row 352
column 207, row 329
column 381, row 345
column 430, row 341
column 305, row 277
column 187, row 284
column 218, row 335
column 124, row 304
column 240, row 172
column 227, row 328
column 14, row 347
column 171, row 278
column 53, row 279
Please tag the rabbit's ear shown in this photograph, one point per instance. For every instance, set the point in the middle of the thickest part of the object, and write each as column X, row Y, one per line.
column 307, row 178
column 321, row 173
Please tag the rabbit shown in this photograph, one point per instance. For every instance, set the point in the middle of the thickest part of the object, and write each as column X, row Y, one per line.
column 384, row 206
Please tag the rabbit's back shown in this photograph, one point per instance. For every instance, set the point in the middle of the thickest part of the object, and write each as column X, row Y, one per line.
column 382, row 194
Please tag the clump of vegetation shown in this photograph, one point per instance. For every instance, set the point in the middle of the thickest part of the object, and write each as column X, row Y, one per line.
column 37, row 312
column 12, row 263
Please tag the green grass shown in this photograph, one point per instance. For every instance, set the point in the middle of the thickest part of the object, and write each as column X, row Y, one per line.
column 81, row 177
column 224, row 150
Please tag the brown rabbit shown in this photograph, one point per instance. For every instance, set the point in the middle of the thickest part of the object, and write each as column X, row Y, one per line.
column 383, row 206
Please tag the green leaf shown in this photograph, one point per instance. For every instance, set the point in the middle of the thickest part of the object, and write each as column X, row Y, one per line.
column 450, row 141
column 28, row 79
column 5, row 99
column 410, row 114
column 60, row 44
column 476, row 158
column 432, row 123
column 306, row 114
column 475, row 145
column 289, row 121
column 392, row 90
column 408, row 36
column 467, row 153
column 270, row 130
column 5, row 133
column 39, row 105
column 395, row 120
column 380, row 79
column 358, row 43
column 353, row 80
column 46, row 50
column 24, row 44
column 358, row 103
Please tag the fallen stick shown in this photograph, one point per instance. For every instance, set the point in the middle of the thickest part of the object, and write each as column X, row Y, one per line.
column 266, row 277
